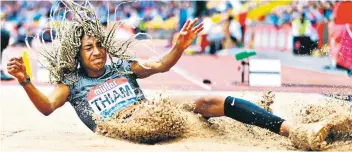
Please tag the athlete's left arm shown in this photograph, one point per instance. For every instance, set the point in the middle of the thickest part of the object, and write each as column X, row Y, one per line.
column 185, row 38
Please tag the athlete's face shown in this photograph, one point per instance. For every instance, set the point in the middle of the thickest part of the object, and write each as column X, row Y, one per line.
column 93, row 55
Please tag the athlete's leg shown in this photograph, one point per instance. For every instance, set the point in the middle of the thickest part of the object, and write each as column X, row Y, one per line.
column 306, row 137
column 241, row 110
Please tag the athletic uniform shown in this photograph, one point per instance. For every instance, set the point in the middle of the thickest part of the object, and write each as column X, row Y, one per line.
column 104, row 95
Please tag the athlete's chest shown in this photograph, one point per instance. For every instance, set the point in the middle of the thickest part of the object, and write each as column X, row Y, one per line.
column 111, row 96
column 106, row 97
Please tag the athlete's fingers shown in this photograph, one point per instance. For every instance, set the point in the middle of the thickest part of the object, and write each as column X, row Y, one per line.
column 192, row 24
column 199, row 30
column 20, row 60
column 10, row 70
column 13, row 67
column 197, row 27
column 185, row 27
column 14, row 63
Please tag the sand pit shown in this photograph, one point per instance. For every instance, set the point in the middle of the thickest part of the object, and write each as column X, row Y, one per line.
column 161, row 119
column 32, row 131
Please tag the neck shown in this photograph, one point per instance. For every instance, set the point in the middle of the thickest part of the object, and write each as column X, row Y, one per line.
column 95, row 73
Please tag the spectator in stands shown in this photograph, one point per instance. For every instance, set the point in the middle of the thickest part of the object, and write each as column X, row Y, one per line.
column 233, row 34
column 327, row 10
column 284, row 18
column 301, row 31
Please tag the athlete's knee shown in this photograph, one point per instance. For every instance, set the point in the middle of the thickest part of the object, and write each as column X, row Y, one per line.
column 205, row 102
column 210, row 106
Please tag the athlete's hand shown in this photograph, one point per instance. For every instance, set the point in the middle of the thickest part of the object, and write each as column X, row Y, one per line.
column 16, row 68
column 188, row 34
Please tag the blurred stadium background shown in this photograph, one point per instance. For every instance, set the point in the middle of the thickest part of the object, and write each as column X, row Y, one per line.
column 309, row 41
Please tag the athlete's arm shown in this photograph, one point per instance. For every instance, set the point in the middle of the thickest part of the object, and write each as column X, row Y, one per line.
column 168, row 60
column 161, row 65
column 46, row 105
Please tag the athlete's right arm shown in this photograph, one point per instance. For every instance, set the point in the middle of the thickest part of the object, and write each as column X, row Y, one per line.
column 46, row 105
